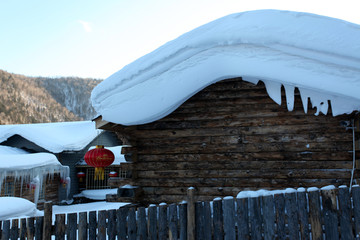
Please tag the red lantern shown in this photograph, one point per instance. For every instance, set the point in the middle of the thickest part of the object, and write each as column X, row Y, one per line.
column 99, row 158
column 80, row 176
column 113, row 174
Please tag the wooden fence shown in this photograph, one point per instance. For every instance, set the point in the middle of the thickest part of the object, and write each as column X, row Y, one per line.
column 325, row 214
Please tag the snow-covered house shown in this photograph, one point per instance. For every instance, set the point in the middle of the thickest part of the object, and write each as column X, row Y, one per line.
column 66, row 141
column 261, row 99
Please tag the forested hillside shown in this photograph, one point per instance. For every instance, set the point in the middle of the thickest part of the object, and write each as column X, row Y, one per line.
column 31, row 100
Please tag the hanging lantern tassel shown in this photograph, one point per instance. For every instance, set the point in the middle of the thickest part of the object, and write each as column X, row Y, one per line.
column 99, row 173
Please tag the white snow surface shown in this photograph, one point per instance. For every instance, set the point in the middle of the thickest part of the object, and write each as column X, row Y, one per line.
column 14, row 207
column 318, row 55
column 97, row 194
column 54, row 137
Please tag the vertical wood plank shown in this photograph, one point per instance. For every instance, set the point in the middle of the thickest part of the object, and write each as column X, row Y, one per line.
column 345, row 214
column 82, row 232
column 39, row 227
column 207, row 221
column 92, row 225
column 131, row 224
column 30, row 228
column 303, row 215
column 242, row 218
column 14, row 232
column 47, row 220
column 163, row 225
column 152, row 222
column 315, row 215
column 355, row 191
column 121, row 223
column 191, row 214
column 255, row 218
column 183, row 221
column 292, row 215
column 111, row 224
column 71, row 226
column 218, row 220
column 268, row 217
column 60, row 229
column 6, row 230
column 199, row 220
column 229, row 218
column 280, row 215
column 142, row 225
column 22, row 228
column 173, row 221
column 330, row 214
column 102, row 215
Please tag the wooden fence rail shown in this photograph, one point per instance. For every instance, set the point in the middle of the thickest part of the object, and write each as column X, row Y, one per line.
column 318, row 214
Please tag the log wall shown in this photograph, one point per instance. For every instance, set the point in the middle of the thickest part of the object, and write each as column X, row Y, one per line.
column 232, row 136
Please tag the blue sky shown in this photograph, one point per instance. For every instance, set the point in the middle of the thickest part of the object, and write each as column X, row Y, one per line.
column 89, row 38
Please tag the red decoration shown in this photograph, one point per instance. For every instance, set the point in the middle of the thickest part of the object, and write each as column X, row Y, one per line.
column 80, row 175
column 113, row 174
column 99, row 158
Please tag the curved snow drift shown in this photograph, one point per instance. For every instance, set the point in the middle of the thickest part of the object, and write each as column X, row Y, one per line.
column 318, row 55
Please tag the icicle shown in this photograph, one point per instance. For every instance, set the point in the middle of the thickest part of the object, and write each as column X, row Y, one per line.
column 289, row 92
column 274, row 90
column 320, row 101
column 304, row 99
column 37, row 189
column 68, row 184
column 250, row 79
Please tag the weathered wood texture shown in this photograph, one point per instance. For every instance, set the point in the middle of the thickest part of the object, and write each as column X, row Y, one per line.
column 231, row 136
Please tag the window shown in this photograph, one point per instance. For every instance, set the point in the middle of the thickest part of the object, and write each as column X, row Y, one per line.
column 9, row 189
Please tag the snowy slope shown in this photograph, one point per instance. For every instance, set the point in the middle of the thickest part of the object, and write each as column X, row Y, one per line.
column 54, row 137
column 317, row 54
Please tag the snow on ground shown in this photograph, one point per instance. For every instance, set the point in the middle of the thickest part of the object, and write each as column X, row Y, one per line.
column 87, row 207
column 54, row 137
column 96, row 194
column 318, row 55
column 14, row 207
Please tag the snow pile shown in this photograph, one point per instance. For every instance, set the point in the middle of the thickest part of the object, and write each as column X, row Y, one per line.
column 54, row 137
column 14, row 207
column 318, row 55
column 119, row 158
column 97, row 194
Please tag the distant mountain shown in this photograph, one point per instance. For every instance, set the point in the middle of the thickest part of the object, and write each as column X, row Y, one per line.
column 31, row 100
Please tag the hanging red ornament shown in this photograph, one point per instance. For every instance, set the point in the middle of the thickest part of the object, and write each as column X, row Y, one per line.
column 113, row 174
column 80, row 176
column 99, row 158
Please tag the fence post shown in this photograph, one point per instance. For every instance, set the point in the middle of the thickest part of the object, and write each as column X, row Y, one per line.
column 191, row 214
column 47, row 220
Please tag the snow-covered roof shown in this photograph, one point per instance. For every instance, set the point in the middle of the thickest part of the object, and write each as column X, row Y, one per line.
column 14, row 207
column 318, row 55
column 54, row 137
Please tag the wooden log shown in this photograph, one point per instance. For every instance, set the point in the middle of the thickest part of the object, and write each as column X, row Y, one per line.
column 71, row 232
column 142, row 223
column 229, row 218
column 292, row 215
column 218, row 220
column 346, row 229
column 102, row 215
column 173, row 221
column 280, row 215
column 6, row 230
column 131, row 224
column 92, row 225
column 303, row 215
column 152, row 222
column 30, row 228
column 191, row 213
column 199, row 220
column 255, row 218
column 121, row 223
column 356, row 203
column 183, row 221
column 330, row 214
column 22, row 228
column 60, row 228
column 14, row 231
column 47, row 220
column 163, row 224
column 111, row 225
column 315, row 215
column 268, row 217
column 242, row 218
column 208, row 232
column 83, row 230
column 39, row 227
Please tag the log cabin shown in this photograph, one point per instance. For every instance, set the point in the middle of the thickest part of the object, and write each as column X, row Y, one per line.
column 257, row 100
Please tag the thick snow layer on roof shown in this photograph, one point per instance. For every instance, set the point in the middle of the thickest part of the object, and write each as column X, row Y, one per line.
column 14, row 207
column 11, row 150
column 318, row 55
column 54, row 137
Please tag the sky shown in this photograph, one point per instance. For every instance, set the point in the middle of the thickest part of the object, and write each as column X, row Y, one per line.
column 92, row 38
